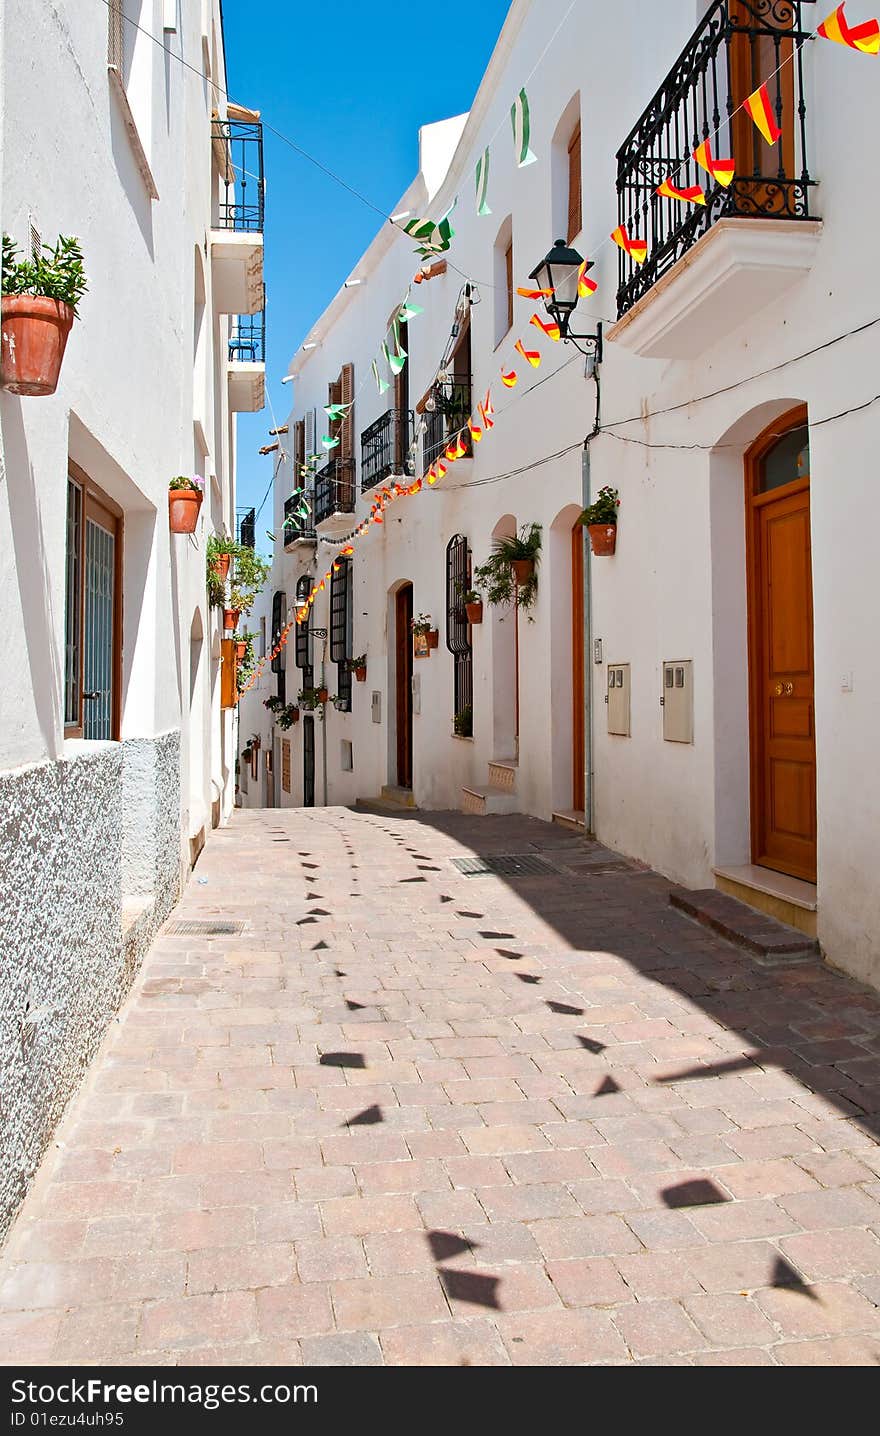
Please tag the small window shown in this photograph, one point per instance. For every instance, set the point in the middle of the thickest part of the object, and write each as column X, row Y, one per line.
column 575, row 218
column 458, row 633
column 502, row 266
column 788, row 460
column 93, row 614
column 508, row 270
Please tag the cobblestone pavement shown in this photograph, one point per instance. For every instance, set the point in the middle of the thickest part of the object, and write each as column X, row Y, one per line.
column 410, row 1116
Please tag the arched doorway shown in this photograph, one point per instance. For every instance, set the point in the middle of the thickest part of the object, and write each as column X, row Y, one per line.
column 782, row 738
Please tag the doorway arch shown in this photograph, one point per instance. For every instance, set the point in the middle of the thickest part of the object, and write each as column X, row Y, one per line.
column 505, row 666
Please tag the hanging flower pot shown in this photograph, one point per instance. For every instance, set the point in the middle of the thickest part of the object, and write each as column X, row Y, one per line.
column 433, row 637
column 474, row 611
column 183, row 510
column 34, row 337
column 321, row 695
column 241, row 651
column 230, row 618
column 603, row 538
column 221, row 564
column 523, row 568
column 294, row 717
column 360, row 673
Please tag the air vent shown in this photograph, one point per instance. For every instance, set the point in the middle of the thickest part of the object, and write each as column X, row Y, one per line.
column 505, row 865
column 207, row 928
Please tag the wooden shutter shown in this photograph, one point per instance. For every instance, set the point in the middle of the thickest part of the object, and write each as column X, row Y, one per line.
column 346, row 386
column 508, row 269
column 279, row 602
column 299, row 448
column 575, row 219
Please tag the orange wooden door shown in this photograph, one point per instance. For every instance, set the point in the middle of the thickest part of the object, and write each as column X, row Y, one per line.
column 403, row 696
column 781, row 666
column 577, row 668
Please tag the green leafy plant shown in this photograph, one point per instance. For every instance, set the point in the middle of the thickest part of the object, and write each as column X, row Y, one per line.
column 247, row 664
column 287, row 716
column 273, row 703
column 603, row 509
column 56, row 273
column 251, row 573
column 352, row 664
column 422, row 623
column 463, row 722
column 310, row 698
column 469, row 595
column 495, row 576
column 182, row 481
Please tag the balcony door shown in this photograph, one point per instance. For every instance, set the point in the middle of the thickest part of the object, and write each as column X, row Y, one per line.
column 93, row 611
column 781, row 678
column 761, row 52
column 403, row 650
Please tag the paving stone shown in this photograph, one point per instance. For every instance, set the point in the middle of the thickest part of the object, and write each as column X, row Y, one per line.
column 656, row 1328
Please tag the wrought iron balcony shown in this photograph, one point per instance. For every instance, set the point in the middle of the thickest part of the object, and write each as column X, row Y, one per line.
column 334, row 490
column 247, row 523
column 296, row 528
column 247, row 338
column 242, row 203
column 738, row 45
column 384, row 447
column 451, row 410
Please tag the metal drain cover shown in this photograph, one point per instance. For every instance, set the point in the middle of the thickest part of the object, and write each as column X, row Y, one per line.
column 207, row 928
column 505, row 865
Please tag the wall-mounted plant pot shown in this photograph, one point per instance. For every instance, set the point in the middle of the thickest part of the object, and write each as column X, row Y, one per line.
column 322, row 695
column 474, row 612
column 240, row 651
column 523, row 569
column 221, row 564
column 34, row 337
column 230, row 618
column 603, row 538
column 183, row 510
column 433, row 637
column 294, row 717
column 361, row 674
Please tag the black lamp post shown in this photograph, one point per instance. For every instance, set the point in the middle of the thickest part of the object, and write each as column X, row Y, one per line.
column 558, row 271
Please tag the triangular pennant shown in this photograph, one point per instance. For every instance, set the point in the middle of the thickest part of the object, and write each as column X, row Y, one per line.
column 694, row 194
column 864, row 37
column 722, row 171
column 759, row 108
column 532, row 355
column 551, row 328
column 520, row 121
column 481, row 182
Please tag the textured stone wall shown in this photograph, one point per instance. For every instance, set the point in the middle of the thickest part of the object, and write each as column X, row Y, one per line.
column 89, row 858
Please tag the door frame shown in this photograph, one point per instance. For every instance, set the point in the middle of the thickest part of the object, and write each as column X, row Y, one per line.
column 754, row 503
column 403, row 673
column 578, row 697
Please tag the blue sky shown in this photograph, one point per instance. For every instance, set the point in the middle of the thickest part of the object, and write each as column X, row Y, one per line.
column 351, row 83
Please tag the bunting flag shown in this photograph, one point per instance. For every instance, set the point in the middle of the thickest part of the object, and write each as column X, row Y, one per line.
column 336, row 411
column 521, row 125
column 395, row 362
column 760, row 110
column 481, row 182
column 551, row 328
column 461, row 449
column 450, row 452
column 586, row 286
column 722, row 171
column 864, row 37
column 510, row 379
column 637, row 249
column 329, row 443
column 694, row 194
column 532, row 355
column 536, row 293
column 381, row 383
column 432, row 238
column 408, row 311
column 475, row 431
column 486, row 411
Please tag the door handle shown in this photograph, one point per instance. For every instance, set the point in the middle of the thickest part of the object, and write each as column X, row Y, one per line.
column 98, row 693
column 784, row 690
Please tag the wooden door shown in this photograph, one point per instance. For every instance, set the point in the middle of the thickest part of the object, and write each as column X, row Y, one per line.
column 762, row 57
column 403, row 683
column 578, row 756
column 783, row 743
column 308, row 726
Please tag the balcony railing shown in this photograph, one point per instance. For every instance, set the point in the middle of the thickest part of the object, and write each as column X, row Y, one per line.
column 738, row 45
column 247, row 523
column 295, row 526
column 247, row 338
column 335, row 489
column 451, row 410
column 243, row 198
column 384, row 447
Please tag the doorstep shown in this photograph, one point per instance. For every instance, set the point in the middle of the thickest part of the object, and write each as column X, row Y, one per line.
column 765, row 938
column 573, row 818
column 788, row 899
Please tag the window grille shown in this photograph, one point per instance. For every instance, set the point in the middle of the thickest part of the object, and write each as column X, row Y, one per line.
column 302, row 643
column 340, row 629
column 279, row 607
column 458, row 632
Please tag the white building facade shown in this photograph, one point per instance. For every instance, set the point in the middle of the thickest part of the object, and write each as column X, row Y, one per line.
column 728, row 629
column 116, row 757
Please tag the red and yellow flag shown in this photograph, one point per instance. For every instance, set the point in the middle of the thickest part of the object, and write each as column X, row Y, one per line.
column 586, row 286
column 864, row 37
column 551, row 329
column 637, row 249
column 694, row 194
column 486, row 410
column 532, row 355
column 441, row 468
column 450, row 453
column 475, row 431
column 535, row 293
column 461, row 449
column 509, row 379
column 721, row 170
column 759, row 109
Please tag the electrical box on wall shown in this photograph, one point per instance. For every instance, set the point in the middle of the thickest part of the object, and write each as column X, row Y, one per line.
column 617, row 699
column 377, row 707
column 678, row 701
column 346, row 756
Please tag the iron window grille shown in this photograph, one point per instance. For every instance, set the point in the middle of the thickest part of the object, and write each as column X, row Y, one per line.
column 738, row 45
column 247, row 522
column 242, row 206
column 247, row 338
column 335, row 489
column 340, row 629
column 302, row 646
column 295, row 527
column 384, row 447
column 447, row 411
column 279, row 608
column 458, row 631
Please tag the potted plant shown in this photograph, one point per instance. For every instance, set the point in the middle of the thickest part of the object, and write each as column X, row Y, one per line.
column 473, row 605
column 273, row 703
column 184, row 502
column 463, row 722
column 358, row 666
column 311, row 698
column 600, row 520
column 288, row 715
column 321, row 695
column 510, row 572
column 219, row 554
column 39, row 305
column 231, row 615
column 423, row 629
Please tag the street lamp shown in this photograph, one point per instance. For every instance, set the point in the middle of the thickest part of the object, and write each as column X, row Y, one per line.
column 558, row 272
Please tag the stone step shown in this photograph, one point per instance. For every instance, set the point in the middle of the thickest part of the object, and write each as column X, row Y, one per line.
column 502, row 775
column 487, row 800
column 390, row 800
column 572, row 818
column 769, row 941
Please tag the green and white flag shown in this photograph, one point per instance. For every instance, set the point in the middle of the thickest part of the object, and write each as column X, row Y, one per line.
column 408, row 311
column 481, row 181
column 519, row 119
column 433, row 238
column 399, row 351
column 329, row 443
column 336, row 411
column 381, row 383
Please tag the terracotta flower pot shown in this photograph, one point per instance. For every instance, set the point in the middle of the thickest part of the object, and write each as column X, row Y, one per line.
column 34, row 337
column 240, row 651
column 230, row 618
column 361, row 673
column 523, row 568
column 183, row 510
column 603, row 538
column 322, row 695
column 295, row 715
column 221, row 565
column 433, row 637
column 474, row 611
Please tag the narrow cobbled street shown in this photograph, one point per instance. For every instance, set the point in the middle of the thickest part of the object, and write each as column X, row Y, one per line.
column 391, row 1110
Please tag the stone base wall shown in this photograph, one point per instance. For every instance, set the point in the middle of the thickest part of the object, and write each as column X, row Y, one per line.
column 90, row 865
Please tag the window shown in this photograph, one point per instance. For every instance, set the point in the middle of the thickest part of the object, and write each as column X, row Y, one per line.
column 302, row 654
column 458, row 633
column 279, row 606
column 508, row 272
column 340, row 629
column 503, row 279
column 575, row 218
column 93, row 612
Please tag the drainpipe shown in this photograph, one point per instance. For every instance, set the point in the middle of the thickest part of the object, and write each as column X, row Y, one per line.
column 589, row 813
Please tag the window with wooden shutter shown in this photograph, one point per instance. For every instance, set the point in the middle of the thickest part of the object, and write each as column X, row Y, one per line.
column 302, row 641
column 508, row 270
column 458, row 631
column 299, row 449
column 279, row 608
column 346, row 388
column 340, row 629
column 575, row 218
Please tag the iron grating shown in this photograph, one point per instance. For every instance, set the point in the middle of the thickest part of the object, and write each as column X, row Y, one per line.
column 506, row 865
column 208, row 928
